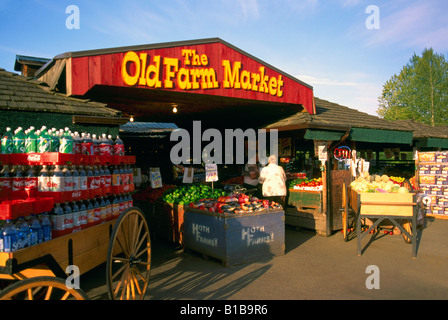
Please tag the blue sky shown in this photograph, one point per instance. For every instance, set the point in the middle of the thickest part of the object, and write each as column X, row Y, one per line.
column 323, row 43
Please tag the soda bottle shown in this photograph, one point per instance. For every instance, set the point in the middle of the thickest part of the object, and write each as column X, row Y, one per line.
column 23, row 233
column 19, row 141
column 77, row 143
column 68, row 217
column 105, row 146
column 123, row 175
column 82, row 213
column 86, row 144
column 55, row 142
column 121, row 203
column 18, row 181
column 43, row 180
column 115, row 207
column 96, row 211
column 31, row 182
column 95, row 145
column 57, row 218
column 131, row 175
column 116, row 181
column 68, row 179
column 46, row 227
column 57, row 180
column 103, row 209
column 66, row 142
column 76, row 179
column 36, row 232
column 31, row 141
column 108, row 208
column 90, row 212
column 130, row 201
column 9, row 233
column 76, row 219
column 118, row 147
column 90, row 178
column 107, row 177
column 43, row 141
column 7, row 142
column 96, row 178
column 6, row 181
column 102, row 177
column 82, row 178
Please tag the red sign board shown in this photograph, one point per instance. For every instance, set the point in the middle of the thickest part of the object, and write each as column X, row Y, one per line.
column 209, row 68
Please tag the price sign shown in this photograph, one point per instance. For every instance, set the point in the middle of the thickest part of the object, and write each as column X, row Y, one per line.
column 211, row 172
column 155, row 178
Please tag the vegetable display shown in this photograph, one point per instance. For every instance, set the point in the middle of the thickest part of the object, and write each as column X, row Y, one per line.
column 192, row 193
column 306, row 184
column 378, row 184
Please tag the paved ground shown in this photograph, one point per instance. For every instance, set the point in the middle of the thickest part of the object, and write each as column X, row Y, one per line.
column 313, row 267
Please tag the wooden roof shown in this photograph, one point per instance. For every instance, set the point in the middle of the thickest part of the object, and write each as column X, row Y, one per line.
column 332, row 116
column 28, row 94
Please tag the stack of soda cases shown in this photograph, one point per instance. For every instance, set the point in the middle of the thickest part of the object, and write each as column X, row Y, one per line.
column 84, row 194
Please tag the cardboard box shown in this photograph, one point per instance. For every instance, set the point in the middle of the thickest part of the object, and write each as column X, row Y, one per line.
column 441, row 180
column 437, row 209
column 435, row 169
column 437, row 190
column 427, row 179
column 427, row 157
column 442, row 156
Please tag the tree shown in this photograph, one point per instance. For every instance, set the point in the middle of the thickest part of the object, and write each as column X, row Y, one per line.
column 418, row 92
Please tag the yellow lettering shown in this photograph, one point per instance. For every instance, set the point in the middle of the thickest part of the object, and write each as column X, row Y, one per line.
column 255, row 80
column 279, row 86
column 183, row 79
column 170, row 64
column 127, row 78
column 142, row 80
column 231, row 79
column 195, row 75
column 263, row 79
column 245, row 80
column 204, row 60
column 272, row 86
column 187, row 53
column 154, row 69
column 208, row 79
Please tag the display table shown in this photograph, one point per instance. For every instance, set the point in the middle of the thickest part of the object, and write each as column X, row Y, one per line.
column 235, row 238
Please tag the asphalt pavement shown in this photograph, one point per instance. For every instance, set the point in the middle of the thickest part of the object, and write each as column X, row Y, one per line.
column 314, row 267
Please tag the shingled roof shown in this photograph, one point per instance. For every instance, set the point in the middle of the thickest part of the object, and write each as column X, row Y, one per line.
column 330, row 115
column 422, row 130
column 28, row 94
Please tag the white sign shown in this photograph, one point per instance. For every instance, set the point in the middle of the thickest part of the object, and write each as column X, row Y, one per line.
column 155, row 178
column 211, row 172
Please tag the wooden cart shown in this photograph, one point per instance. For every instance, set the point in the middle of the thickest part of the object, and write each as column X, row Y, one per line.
column 400, row 209
column 39, row 272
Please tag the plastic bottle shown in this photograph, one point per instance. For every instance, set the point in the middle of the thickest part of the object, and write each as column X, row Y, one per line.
column 46, row 227
column 107, row 177
column 57, row 218
column 7, row 142
column 102, row 177
column 95, row 145
column 9, row 233
column 86, row 144
column 82, row 178
column 96, row 211
column 57, row 180
column 18, row 181
column 77, row 143
column 66, row 142
column 31, row 182
column 76, row 179
column 68, row 179
column 121, row 203
column 116, row 181
column 108, row 208
column 31, row 141
column 43, row 141
column 96, row 178
column 103, row 209
column 36, row 232
column 90, row 212
column 55, row 142
column 68, row 217
column 118, row 147
column 23, row 233
column 76, row 220
column 82, row 213
column 115, row 207
column 43, row 180
column 90, row 178
column 105, row 146
column 6, row 181
column 19, row 141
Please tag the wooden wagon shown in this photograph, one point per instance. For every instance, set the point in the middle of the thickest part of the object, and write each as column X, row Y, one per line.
column 39, row 271
column 401, row 209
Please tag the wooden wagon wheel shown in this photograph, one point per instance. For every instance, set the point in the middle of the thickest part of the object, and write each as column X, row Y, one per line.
column 129, row 257
column 41, row 288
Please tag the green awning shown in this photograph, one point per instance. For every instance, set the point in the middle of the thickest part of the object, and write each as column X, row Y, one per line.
column 381, row 136
column 432, row 143
column 318, row 134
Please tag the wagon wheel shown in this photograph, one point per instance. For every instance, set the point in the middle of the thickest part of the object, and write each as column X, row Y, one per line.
column 41, row 288
column 129, row 257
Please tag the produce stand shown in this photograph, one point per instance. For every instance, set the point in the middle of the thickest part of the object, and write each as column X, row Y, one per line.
column 235, row 238
column 122, row 241
column 399, row 208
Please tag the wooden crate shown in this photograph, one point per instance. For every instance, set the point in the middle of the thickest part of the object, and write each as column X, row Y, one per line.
column 383, row 204
column 307, row 201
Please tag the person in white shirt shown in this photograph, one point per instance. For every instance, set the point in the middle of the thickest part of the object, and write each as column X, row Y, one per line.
column 273, row 178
